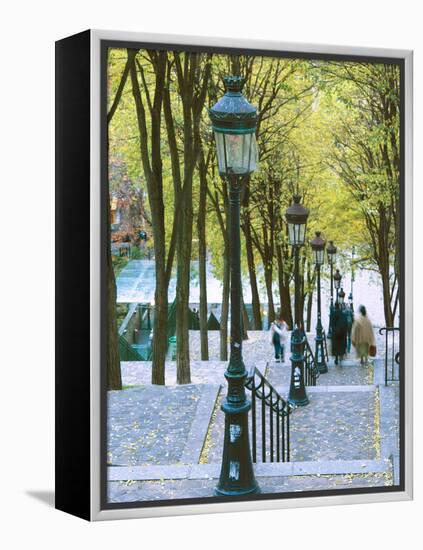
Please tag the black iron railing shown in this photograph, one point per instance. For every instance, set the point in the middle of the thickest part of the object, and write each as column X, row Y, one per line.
column 391, row 353
column 311, row 372
column 269, row 420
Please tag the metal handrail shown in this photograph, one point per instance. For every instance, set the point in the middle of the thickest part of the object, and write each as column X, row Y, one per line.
column 311, row 372
column 393, row 357
column 278, row 411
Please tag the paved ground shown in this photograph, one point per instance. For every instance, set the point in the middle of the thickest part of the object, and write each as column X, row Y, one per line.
column 334, row 426
column 202, row 372
column 120, row 491
column 155, row 425
column 349, row 372
column 348, row 418
column 256, row 348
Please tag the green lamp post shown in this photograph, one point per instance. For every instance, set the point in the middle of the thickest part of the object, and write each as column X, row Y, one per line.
column 337, row 278
column 341, row 298
column 331, row 252
column 234, row 122
column 296, row 218
column 318, row 248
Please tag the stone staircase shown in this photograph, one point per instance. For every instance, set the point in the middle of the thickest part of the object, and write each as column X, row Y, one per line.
column 346, row 437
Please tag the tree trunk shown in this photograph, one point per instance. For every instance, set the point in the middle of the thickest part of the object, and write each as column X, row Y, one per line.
column 114, row 375
column 255, row 298
column 192, row 88
column 225, row 304
column 160, row 300
column 245, row 321
column 150, row 131
column 283, row 282
column 268, row 276
column 384, row 265
column 183, row 374
column 159, row 334
column 309, row 310
column 386, row 290
column 114, row 378
column 202, row 257
column 302, row 293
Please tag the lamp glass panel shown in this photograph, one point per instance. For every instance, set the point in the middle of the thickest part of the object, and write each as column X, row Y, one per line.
column 291, row 234
column 296, row 233
column 236, row 153
column 301, row 233
column 332, row 258
column 319, row 257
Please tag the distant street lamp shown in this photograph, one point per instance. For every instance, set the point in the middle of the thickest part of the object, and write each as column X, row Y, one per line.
column 350, row 302
column 318, row 247
column 337, row 278
column 331, row 252
column 341, row 298
column 352, row 272
column 234, row 122
column 296, row 217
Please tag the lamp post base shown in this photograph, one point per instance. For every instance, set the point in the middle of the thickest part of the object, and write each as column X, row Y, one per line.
column 298, row 402
column 297, row 391
column 236, row 474
column 322, row 368
column 320, row 352
column 236, row 492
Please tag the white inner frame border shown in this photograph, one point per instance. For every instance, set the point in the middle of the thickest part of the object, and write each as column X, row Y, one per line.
column 95, row 183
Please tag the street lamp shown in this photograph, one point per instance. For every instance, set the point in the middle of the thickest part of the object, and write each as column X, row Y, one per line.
column 234, row 122
column 337, row 282
column 341, row 297
column 331, row 252
column 318, row 247
column 350, row 301
column 296, row 218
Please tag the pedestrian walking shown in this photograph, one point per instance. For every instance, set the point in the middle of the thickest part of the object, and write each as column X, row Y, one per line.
column 363, row 337
column 339, row 333
column 278, row 335
column 349, row 315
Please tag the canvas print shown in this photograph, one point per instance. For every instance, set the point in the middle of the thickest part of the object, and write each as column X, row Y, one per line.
column 253, row 270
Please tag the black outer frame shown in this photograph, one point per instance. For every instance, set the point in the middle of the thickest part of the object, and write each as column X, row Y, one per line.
column 73, row 226
column 105, row 45
column 72, row 202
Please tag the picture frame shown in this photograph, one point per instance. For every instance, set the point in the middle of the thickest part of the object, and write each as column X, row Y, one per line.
column 81, row 286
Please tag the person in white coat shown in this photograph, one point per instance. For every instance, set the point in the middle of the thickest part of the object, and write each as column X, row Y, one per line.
column 278, row 335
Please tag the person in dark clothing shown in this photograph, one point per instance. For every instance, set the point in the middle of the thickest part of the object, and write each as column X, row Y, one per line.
column 339, row 333
column 349, row 315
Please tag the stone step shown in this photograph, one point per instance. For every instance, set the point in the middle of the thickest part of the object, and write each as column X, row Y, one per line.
column 269, row 469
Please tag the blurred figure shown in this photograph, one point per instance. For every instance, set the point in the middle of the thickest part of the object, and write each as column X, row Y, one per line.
column 278, row 334
column 339, row 333
column 362, row 336
column 349, row 316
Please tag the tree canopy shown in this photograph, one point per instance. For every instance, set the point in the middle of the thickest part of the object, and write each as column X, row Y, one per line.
column 327, row 130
